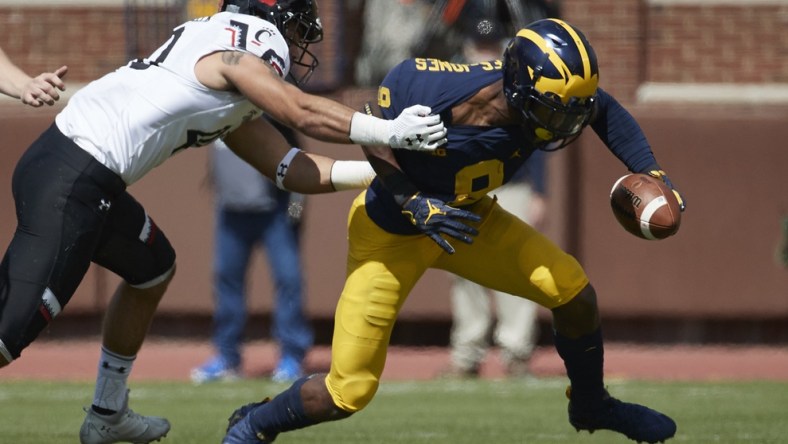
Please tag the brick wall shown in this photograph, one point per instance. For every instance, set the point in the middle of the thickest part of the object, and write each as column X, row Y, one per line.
column 614, row 29
column 720, row 44
column 684, row 42
column 636, row 41
column 91, row 41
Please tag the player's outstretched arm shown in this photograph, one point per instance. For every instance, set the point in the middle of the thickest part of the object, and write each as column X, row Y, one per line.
column 33, row 91
column 316, row 116
column 44, row 88
column 261, row 145
column 624, row 137
column 430, row 214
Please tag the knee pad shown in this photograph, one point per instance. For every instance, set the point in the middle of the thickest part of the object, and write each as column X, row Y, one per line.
column 143, row 260
column 157, row 280
column 160, row 256
column 25, row 316
column 352, row 394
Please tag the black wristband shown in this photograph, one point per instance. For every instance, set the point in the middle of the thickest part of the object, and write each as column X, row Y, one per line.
column 396, row 182
column 400, row 187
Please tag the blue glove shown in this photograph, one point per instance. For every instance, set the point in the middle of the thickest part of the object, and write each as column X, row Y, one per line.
column 659, row 174
column 432, row 217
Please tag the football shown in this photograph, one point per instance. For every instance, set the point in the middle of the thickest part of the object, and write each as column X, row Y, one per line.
column 645, row 206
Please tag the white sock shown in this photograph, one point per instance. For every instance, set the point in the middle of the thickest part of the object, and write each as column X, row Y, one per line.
column 113, row 373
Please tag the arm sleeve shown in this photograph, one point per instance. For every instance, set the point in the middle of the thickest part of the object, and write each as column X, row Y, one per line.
column 536, row 172
column 622, row 135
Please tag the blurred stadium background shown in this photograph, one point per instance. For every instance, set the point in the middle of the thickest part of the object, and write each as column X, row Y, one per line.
column 707, row 79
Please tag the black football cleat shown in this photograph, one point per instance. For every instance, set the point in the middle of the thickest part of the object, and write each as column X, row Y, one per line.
column 635, row 421
column 239, row 431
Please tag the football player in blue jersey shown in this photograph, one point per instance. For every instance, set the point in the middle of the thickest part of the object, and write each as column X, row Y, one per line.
column 539, row 97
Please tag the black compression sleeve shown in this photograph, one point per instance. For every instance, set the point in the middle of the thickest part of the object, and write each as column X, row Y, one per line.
column 622, row 134
column 400, row 187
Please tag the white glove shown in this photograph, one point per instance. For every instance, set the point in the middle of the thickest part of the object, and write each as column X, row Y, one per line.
column 413, row 129
column 416, row 129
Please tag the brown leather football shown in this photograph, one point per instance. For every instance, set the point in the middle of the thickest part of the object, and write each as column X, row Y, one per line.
column 645, row 206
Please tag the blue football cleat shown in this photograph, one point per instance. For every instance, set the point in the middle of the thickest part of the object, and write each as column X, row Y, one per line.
column 288, row 370
column 215, row 369
column 239, row 430
column 636, row 422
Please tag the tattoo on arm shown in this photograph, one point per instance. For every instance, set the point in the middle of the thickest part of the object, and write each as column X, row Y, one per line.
column 232, row 57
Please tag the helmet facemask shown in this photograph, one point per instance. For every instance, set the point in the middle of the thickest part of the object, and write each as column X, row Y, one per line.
column 300, row 30
column 555, row 122
column 299, row 23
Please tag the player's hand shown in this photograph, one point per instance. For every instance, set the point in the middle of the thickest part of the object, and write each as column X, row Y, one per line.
column 416, row 129
column 43, row 89
column 432, row 217
column 660, row 174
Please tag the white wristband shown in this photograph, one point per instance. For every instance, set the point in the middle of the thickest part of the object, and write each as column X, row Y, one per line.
column 284, row 165
column 351, row 174
column 369, row 130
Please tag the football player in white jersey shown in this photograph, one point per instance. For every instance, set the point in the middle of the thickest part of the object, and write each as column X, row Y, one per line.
column 210, row 80
column 34, row 91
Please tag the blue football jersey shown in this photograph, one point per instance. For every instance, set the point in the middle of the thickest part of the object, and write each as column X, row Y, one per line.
column 477, row 159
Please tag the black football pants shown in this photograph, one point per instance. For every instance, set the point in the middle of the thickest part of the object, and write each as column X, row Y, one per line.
column 70, row 210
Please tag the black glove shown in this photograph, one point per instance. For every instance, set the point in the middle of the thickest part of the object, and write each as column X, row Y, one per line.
column 660, row 174
column 432, row 217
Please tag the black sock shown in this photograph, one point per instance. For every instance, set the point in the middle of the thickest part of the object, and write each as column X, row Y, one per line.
column 584, row 359
column 283, row 413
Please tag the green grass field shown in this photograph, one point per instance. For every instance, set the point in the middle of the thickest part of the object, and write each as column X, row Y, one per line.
column 435, row 412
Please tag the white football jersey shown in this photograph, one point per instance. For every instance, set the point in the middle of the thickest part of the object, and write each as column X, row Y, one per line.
column 136, row 117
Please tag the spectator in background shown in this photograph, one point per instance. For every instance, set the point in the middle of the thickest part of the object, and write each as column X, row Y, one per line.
column 251, row 211
column 516, row 330
column 33, row 91
column 391, row 30
column 399, row 29
column 449, row 22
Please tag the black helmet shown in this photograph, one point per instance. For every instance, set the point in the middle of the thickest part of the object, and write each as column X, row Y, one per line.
column 297, row 20
column 551, row 76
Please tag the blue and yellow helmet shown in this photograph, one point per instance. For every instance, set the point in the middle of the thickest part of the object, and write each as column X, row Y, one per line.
column 551, row 76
